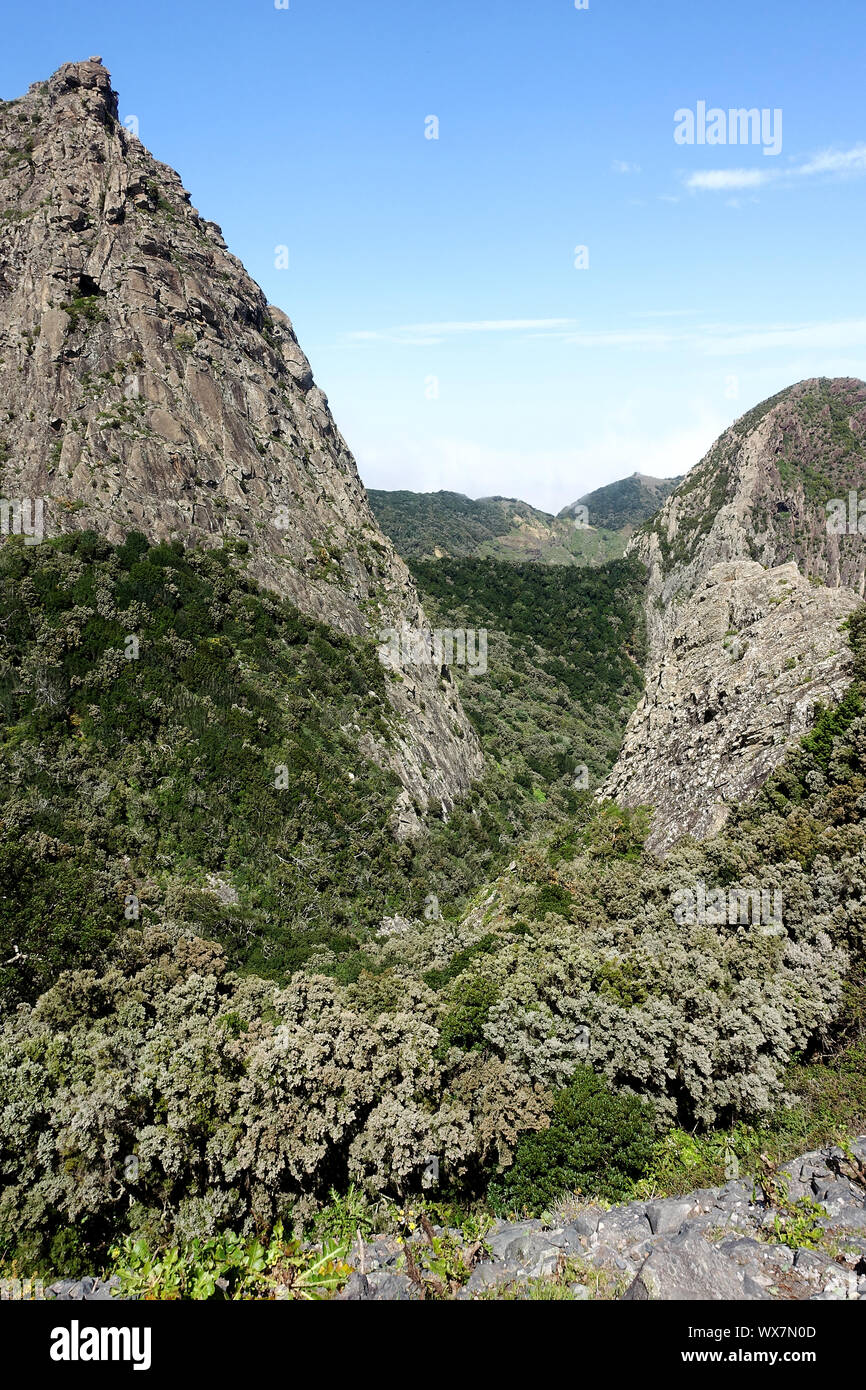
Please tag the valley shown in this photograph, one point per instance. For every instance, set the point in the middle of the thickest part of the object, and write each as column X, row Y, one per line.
column 328, row 968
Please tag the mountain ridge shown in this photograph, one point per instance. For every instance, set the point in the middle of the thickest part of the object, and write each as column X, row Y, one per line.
column 150, row 387
column 625, row 503
column 435, row 524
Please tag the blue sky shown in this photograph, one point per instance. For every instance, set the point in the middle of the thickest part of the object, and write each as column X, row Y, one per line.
column 432, row 283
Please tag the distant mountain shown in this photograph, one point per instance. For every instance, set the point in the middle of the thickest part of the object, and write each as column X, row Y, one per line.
column 432, row 525
column 624, row 505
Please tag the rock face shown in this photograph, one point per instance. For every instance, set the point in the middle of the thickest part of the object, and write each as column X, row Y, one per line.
column 148, row 385
column 753, row 651
column 747, row 590
column 762, row 493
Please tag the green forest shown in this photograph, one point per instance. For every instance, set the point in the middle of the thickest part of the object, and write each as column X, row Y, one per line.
column 203, row 773
column 192, row 974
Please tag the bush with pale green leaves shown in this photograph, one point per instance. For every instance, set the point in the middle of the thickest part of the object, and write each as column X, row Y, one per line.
column 164, row 1098
column 170, row 1098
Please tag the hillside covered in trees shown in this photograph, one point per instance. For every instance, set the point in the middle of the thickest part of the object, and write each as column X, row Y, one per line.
column 185, row 1044
column 178, row 740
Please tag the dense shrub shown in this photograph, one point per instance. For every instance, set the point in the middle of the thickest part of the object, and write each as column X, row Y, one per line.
column 469, row 1006
column 169, row 1099
column 597, row 1144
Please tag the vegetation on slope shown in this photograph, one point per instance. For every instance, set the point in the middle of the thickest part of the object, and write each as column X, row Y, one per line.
column 150, row 701
column 176, row 741
column 419, row 523
column 166, row 1097
column 625, row 504
column 566, row 647
column 428, row 525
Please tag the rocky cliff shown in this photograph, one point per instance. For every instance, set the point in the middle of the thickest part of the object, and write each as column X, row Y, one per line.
column 761, row 493
column 752, row 652
column 148, row 385
column 748, row 589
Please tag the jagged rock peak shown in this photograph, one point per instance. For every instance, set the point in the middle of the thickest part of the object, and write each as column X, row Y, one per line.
column 82, row 79
column 761, row 493
column 148, row 385
column 748, row 589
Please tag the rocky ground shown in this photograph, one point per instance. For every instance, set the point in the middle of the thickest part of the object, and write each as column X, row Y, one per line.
column 799, row 1234
column 727, row 1243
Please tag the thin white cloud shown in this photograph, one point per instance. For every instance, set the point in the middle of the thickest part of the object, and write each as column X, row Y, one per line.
column 662, row 334
column 622, row 166
column 484, row 326
column 851, row 161
column 729, row 340
column 640, row 338
column 728, row 179
column 432, row 334
column 841, row 163
column 812, row 337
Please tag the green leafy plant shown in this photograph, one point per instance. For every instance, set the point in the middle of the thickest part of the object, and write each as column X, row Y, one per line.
column 86, row 307
column 441, row 1262
column 798, row 1225
column 598, row 1143
column 344, row 1217
column 228, row 1267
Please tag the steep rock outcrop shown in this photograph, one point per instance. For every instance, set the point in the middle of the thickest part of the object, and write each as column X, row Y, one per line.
column 753, row 651
column 747, row 590
column 761, row 493
column 148, row 385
